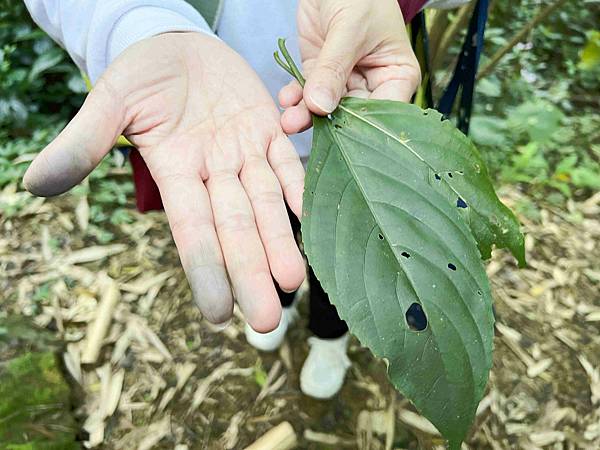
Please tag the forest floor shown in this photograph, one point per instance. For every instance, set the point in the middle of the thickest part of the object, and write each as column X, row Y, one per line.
column 164, row 379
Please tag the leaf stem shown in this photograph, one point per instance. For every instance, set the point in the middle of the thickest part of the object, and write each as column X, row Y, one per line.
column 283, row 64
column 289, row 65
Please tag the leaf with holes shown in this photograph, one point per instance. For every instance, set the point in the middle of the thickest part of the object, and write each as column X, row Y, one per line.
column 398, row 209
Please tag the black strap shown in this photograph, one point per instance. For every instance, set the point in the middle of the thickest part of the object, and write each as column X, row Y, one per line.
column 466, row 69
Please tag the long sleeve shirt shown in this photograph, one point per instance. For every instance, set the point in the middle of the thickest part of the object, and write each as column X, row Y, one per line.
column 95, row 32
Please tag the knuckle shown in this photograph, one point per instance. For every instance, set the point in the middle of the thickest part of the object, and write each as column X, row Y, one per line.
column 254, row 161
column 222, row 176
column 413, row 73
column 294, row 185
column 186, row 229
column 106, row 97
column 270, row 198
column 235, row 223
column 168, row 176
column 335, row 68
column 291, row 166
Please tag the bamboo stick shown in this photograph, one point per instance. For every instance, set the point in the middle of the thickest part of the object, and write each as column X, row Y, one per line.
column 99, row 327
column 282, row 437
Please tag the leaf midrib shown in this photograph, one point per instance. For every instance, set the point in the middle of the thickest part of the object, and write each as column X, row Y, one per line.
column 400, row 141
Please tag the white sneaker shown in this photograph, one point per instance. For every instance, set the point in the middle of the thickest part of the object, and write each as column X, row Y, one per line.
column 325, row 368
column 268, row 342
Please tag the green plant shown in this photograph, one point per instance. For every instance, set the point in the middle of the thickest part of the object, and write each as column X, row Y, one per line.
column 539, row 147
column 536, row 118
column 39, row 86
column 40, row 90
column 35, row 407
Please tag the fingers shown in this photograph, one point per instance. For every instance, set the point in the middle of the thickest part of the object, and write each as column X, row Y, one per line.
column 395, row 90
column 189, row 212
column 296, row 119
column 327, row 80
column 266, row 198
column 286, row 164
column 290, row 94
column 80, row 147
column 243, row 252
column 394, row 82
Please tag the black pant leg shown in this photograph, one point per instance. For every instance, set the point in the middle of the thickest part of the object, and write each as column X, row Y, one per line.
column 323, row 320
column 286, row 298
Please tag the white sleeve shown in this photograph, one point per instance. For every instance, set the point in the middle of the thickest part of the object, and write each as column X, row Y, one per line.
column 95, row 32
column 446, row 4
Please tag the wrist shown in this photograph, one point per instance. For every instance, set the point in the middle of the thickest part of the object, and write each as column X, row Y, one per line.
column 134, row 21
column 147, row 21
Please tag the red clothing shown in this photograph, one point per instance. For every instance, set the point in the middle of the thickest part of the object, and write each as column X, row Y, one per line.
column 147, row 195
column 410, row 8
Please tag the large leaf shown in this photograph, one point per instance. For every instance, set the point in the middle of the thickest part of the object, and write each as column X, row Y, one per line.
column 398, row 209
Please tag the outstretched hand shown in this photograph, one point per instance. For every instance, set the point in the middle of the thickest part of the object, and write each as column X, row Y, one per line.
column 211, row 136
column 358, row 48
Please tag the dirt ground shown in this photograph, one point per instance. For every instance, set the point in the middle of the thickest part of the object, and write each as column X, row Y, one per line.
column 164, row 379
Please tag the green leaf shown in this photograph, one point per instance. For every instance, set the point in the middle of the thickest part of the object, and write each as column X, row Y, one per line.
column 396, row 204
column 540, row 119
column 489, row 130
column 489, row 87
column 588, row 177
column 46, row 61
column 590, row 55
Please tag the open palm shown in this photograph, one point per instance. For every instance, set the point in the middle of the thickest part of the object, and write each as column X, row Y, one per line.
column 211, row 137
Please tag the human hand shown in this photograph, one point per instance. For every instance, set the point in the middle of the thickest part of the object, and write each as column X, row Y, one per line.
column 210, row 134
column 357, row 48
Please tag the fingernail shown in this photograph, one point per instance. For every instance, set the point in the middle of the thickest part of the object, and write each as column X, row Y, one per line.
column 323, row 99
column 221, row 326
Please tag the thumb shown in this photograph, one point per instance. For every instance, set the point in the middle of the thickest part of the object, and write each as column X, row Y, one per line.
column 326, row 82
column 80, row 147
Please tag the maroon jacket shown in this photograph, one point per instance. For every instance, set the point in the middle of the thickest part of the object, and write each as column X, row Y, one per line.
column 146, row 192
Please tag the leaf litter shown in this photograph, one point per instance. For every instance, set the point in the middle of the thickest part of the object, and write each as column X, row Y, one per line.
column 153, row 382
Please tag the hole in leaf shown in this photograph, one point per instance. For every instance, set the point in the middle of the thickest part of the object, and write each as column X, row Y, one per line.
column 460, row 172
column 416, row 318
column 479, row 292
column 437, row 177
column 405, row 254
column 460, row 203
column 338, row 126
column 450, row 174
column 451, row 266
column 380, row 236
